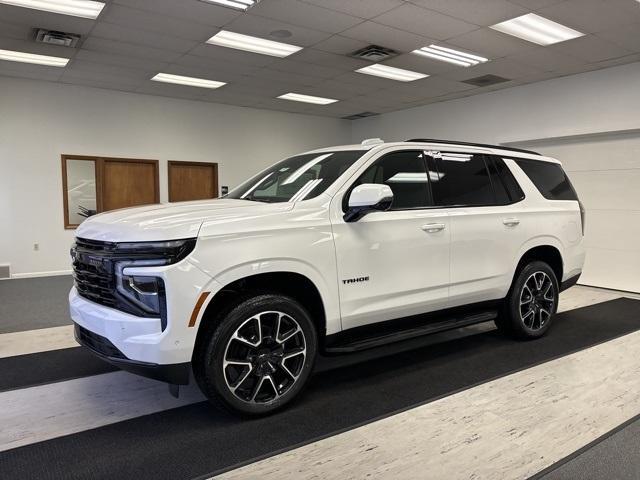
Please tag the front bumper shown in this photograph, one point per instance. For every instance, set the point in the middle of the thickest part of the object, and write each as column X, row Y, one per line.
column 177, row 373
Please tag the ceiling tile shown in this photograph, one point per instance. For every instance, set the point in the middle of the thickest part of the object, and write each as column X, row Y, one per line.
column 385, row 36
column 172, row 90
column 340, row 45
column 546, row 59
column 424, row 22
column 627, row 37
column 27, row 70
column 589, row 16
column 305, row 15
column 223, row 54
column 192, row 10
column 100, row 79
column 490, row 43
column 156, row 22
column 591, row 48
column 17, row 31
column 318, row 57
column 358, row 8
column 266, row 74
column 484, row 12
column 128, row 49
column 321, row 71
column 215, row 65
column 502, row 67
column 263, row 27
column 120, row 60
column 533, row 5
column 142, row 37
column 40, row 19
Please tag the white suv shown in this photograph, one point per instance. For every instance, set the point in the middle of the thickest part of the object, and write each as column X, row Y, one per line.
column 333, row 250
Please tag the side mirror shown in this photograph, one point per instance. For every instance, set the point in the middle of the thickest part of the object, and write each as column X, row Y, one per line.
column 366, row 198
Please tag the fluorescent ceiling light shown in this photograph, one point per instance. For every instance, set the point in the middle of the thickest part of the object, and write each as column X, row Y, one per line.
column 248, row 43
column 391, row 72
column 33, row 58
column 537, row 29
column 450, row 55
column 76, row 8
column 298, row 97
column 190, row 81
column 237, row 4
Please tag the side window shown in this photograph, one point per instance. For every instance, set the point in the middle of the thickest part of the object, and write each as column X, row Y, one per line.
column 549, row 179
column 405, row 172
column 505, row 185
column 461, row 179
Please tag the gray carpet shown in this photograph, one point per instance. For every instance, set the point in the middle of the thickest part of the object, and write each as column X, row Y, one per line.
column 31, row 303
column 616, row 457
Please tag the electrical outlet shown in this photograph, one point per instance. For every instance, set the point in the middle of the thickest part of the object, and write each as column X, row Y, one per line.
column 36, row 247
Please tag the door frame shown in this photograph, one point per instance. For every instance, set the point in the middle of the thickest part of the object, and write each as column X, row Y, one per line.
column 99, row 172
column 171, row 163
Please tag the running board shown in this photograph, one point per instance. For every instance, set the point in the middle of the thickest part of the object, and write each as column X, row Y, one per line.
column 356, row 343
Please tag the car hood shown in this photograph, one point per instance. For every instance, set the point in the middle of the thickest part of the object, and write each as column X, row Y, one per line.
column 170, row 221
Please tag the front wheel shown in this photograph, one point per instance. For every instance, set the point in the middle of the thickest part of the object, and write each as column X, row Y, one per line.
column 531, row 303
column 259, row 356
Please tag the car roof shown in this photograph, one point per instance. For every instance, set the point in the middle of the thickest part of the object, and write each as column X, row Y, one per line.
column 442, row 144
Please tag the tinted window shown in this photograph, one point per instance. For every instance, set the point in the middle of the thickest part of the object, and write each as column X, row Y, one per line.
column 297, row 178
column 460, row 179
column 505, row 185
column 549, row 179
column 406, row 174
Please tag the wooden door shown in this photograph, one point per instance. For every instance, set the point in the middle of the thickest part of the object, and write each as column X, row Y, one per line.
column 192, row 181
column 129, row 182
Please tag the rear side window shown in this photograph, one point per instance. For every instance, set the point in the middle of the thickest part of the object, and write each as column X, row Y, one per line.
column 549, row 179
column 460, row 179
column 505, row 185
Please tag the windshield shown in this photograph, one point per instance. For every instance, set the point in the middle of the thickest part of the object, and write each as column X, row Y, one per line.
column 297, row 178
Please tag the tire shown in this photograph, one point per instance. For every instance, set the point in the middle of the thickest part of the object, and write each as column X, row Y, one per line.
column 531, row 303
column 257, row 356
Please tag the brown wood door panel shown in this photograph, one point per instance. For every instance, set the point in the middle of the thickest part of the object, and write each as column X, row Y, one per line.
column 192, row 181
column 127, row 183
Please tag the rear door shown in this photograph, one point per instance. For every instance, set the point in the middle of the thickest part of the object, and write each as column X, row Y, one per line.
column 482, row 201
column 395, row 263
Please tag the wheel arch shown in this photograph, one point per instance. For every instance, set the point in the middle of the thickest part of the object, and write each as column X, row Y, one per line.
column 285, row 282
column 547, row 252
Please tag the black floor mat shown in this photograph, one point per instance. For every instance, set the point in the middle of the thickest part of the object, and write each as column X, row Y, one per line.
column 47, row 367
column 197, row 440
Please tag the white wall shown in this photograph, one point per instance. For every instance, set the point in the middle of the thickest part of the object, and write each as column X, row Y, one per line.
column 599, row 112
column 39, row 121
column 604, row 100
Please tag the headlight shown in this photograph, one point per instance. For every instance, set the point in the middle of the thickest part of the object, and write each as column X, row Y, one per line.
column 165, row 253
column 145, row 292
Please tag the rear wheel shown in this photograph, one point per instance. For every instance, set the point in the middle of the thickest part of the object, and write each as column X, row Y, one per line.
column 259, row 356
column 531, row 303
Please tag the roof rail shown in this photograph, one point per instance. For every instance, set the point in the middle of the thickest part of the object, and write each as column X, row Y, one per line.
column 471, row 144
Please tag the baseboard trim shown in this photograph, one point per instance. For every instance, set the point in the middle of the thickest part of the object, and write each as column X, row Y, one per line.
column 39, row 274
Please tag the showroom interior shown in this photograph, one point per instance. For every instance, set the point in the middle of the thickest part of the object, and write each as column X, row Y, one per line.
column 112, row 104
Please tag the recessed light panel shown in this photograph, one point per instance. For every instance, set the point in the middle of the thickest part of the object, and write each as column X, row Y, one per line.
column 76, row 8
column 237, row 4
column 450, row 55
column 22, row 57
column 248, row 43
column 190, row 81
column 392, row 73
column 298, row 97
column 537, row 29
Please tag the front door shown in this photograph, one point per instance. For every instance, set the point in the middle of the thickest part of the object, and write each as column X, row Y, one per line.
column 396, row 263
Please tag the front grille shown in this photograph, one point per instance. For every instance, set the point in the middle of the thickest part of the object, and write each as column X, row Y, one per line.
column 97, row 343
column 93, row 273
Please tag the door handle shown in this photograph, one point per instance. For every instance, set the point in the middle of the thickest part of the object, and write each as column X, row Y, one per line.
column 511, row 222
column 433, row 227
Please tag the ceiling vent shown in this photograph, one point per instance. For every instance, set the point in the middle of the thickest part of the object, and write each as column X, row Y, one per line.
column 374, row 53
column 53, row 37
column 356, row 116
column 486, row 80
